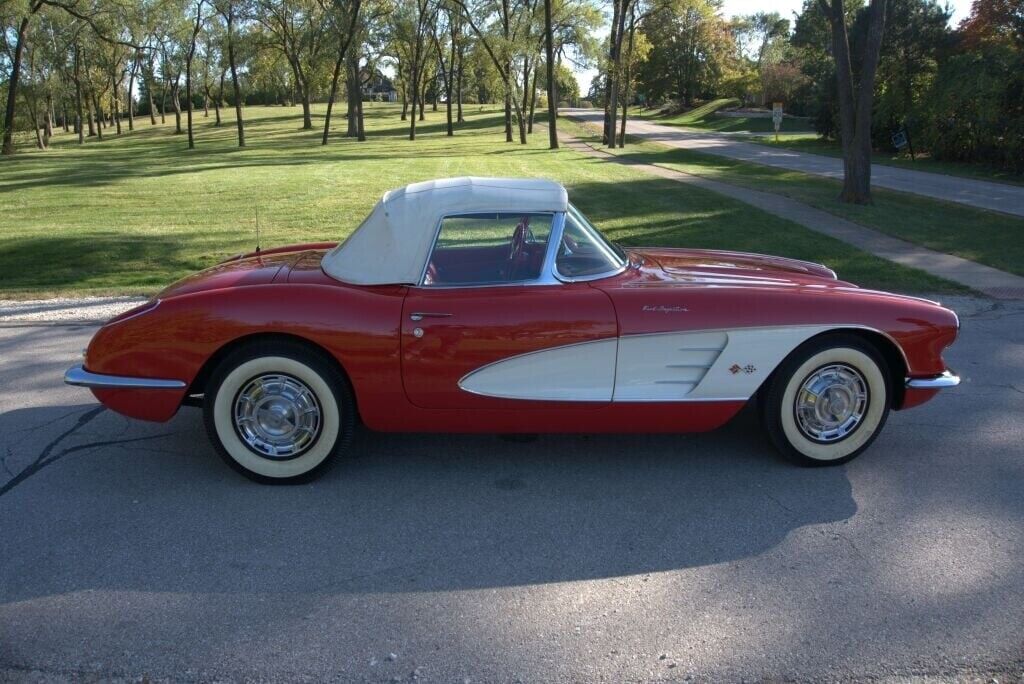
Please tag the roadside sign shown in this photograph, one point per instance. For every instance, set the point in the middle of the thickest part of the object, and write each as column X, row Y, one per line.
column 899, row 139
column 777, row 118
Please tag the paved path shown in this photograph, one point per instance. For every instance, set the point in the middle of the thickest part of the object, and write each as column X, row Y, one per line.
column 979, row 277
column 1008, row 199
column 130, row 552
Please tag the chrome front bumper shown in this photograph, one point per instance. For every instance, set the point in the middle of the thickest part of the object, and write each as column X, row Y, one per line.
column 946, row 379
column 79, row 377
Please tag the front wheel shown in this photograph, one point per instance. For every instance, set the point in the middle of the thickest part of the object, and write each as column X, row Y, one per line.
column 278, row 412
column 827, row 401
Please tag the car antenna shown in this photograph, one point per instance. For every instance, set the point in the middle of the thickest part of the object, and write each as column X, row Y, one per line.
column 257, row 229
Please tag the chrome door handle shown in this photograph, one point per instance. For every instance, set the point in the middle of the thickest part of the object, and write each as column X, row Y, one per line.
column 420, row 315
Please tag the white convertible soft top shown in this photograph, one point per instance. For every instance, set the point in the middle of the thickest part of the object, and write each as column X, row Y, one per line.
column 393, row 243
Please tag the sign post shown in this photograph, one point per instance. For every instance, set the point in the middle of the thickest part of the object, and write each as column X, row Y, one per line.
column 777, row 118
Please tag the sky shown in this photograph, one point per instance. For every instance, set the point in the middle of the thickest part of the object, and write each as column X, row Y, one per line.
column 787, row 8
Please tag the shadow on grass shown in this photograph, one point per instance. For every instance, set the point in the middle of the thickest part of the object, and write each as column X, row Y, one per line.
column 94, row 261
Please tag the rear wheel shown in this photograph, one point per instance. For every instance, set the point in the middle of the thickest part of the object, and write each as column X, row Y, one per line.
column 827, row 401
column 279, row 412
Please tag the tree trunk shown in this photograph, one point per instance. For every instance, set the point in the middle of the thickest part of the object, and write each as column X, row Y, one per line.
column 330, row 98
column 234, row 83
column 549, row 53
column 218, row 101
column 855, row 100
column 508, row 115
column 414, row 88
column 533, row 102
column 99, row 116
column 131, row 97
column 176, row 103
column 423, row 101
column 115, row 106
column 448, row 103
column 12, row 88
column 307, row 114
column 526, row 87
column 188, row 103
column 89, row 116
column 610, row 111
column 458, row 93
column 49, row 118
column 152, row 104
column 359, row 119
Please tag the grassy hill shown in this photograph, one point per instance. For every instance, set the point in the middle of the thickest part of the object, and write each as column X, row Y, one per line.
column 705, row 117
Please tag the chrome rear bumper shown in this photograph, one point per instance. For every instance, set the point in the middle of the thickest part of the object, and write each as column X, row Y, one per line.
column 79, row 377
column 946, row 379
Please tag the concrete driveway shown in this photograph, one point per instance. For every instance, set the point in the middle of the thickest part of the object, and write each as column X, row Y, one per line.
column 128, row 550
column 980, row 194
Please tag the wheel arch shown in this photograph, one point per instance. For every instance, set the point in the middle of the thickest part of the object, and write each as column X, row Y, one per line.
column 895, row 361
column 198, row 385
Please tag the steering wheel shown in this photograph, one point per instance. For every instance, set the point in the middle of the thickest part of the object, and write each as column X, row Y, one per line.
column 519, row 238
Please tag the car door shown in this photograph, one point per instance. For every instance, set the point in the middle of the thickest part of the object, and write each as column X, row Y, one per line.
column 489, row 327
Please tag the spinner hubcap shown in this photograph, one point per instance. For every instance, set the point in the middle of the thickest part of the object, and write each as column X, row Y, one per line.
column 831, row 403
column 277, row 416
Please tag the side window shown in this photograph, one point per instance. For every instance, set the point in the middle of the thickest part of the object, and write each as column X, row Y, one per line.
column 488, row 249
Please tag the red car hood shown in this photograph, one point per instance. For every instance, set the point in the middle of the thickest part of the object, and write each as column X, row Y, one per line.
column 243, row 270
column 716, row 266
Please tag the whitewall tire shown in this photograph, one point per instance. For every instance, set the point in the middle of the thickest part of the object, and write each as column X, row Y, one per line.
column 278, row 412
column 828, row 400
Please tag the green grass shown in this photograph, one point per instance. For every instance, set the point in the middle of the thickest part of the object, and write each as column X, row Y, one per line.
column 986, row 237
column 130, row 214
column 704, row 117
column 811, row 142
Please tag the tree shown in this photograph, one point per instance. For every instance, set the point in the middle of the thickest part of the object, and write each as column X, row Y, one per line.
column 344, row 18
column 197, row 24
column 28, row 11
column 229, row 10
column 549, row 65
column 299, row 30
column 856, row 96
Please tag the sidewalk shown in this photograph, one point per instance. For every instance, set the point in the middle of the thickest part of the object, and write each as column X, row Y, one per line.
column 984, row 279
column 1008, row 199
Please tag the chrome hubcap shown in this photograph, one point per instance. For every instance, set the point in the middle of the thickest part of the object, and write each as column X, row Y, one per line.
column 831, row 403
column 277, row 416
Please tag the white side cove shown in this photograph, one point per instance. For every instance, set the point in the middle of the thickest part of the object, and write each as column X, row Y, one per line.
column 710, row 365
column 574, row 372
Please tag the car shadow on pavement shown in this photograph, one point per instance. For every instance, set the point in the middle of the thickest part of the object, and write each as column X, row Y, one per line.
column 120, row 504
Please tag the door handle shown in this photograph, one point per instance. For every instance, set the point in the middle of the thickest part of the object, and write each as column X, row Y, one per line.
column 420, row 315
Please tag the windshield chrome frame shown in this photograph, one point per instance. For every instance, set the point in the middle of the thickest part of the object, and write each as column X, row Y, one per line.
column 603, row 243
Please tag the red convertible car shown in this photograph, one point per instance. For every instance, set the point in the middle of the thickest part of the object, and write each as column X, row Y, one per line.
column 493, row 305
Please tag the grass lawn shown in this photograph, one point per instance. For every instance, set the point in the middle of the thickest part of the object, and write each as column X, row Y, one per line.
column 130, row 214
column 986, row 237
column 704, row 117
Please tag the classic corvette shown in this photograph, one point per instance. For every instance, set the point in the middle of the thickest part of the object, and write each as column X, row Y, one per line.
column 493, row 305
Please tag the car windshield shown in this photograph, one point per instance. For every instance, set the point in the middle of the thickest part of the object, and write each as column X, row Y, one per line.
column 584, row 251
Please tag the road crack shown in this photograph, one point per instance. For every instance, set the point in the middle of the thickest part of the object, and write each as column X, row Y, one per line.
column 47, row 456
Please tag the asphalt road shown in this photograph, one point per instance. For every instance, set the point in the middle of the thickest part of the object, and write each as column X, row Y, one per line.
column 980, row 194
column 128, row 550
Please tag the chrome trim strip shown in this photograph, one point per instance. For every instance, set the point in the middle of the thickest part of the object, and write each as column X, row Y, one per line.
column 77, row 376
column 943, row 381
column 143, row 308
